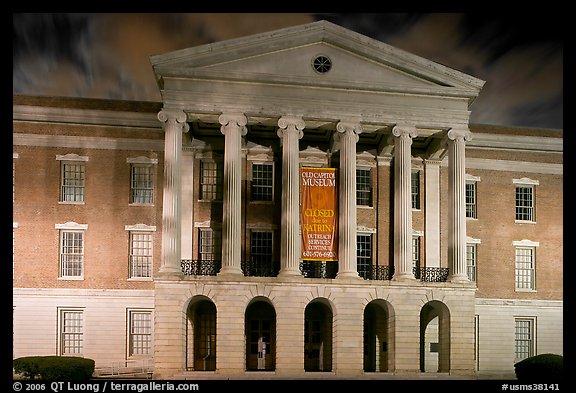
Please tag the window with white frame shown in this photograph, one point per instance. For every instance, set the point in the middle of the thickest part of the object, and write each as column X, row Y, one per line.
column 364, row 255
column 363, row 187
column 471, row 258
column 139, row 333
column 524, row 338
column 71, row 250
column 72, row 178
column 211, row 176
column 525, row 199
column 416, row 251
column 471, row 196
column 71, row 322
column 140, row 254
column 14, row 156
column 415, row 186
column 142, row 180
column 209, row 244
column 262, row 184
column 525, row 265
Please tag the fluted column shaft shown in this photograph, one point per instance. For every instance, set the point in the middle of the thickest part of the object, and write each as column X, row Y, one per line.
column 457, row 203
column 233, row 128
column 403, row 202
column 290, row 131
column 347, row 256
column 174, row 124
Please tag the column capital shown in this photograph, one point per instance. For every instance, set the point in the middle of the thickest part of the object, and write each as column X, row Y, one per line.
column 459, row 134
column 171, row 113
column 404, row 130
column 349, row 127
column 228, row 119
column 286, row 123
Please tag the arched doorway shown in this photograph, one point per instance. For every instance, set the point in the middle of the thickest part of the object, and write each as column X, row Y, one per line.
column 318, row 336
column 201, row 335
column 260, row 332
column 434, row 337
column 378, row 325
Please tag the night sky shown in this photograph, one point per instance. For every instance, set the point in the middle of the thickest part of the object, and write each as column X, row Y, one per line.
column 520, row 56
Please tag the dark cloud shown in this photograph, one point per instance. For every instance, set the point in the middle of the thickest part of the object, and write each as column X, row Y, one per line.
column 107, row 55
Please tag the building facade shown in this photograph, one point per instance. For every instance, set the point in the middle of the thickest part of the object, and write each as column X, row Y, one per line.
column 171, row 231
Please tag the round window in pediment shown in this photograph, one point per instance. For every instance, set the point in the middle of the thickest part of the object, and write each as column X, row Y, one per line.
column 321, row 64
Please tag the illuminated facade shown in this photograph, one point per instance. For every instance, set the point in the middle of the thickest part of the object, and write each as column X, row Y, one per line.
column 172, row 231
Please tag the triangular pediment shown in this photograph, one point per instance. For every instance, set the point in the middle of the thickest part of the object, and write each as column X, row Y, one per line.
column 287, row 55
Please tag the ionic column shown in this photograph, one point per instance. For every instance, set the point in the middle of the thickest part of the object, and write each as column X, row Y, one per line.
column 233, row 128
column 347, row 257
column 403, row 202
column 457, row 203
column 174, row 124
column 290, row 131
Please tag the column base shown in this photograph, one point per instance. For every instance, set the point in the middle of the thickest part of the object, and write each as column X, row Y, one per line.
column 348, row 275
column 290, row 273
column 458, row 278
column 230, row 271
column 404, row 277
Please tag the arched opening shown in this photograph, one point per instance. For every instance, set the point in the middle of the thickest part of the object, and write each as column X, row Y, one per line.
column 377, row 333
column 201, row 335
column 434, row 337
column 260, row 332
column 318, row 336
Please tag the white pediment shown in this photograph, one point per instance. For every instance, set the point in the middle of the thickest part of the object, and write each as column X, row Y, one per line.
column 286, row 56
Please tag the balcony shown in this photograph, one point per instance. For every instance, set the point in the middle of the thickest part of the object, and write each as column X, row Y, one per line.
column 309, row 269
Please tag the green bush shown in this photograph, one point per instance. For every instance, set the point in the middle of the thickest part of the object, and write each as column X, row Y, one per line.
column 546, row 367
column 52, row 368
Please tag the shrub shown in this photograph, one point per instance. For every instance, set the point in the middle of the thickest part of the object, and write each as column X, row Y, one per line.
column 546, row 367
column 51, row 368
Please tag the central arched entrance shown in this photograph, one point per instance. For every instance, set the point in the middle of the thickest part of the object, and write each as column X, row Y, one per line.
column 434, row 337
column 260, row 331
column 201, row 335
column 318, row 337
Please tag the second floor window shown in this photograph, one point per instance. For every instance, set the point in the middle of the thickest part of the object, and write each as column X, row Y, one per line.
column 262, row 181
column 211, row 176
column 364, row 255
column 363, row 187
column 71, row 254
column 471, row 199
column 415, row 180
column 524, row 203
column 141, row 184
column 471, row 261
column 415, row 252
column 72, row 181
column 140, row 254
column 209, row 245
column 525, row 268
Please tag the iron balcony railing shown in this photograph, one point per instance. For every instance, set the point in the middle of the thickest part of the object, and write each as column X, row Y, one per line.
column 309, row 269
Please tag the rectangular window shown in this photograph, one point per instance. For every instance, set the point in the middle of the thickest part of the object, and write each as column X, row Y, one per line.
column 71, row 254
column 471, row 261
column 525, row 267
column 524, row 203
column 140, row 254
column 415, row 252
column 210, row 245
column 415, row 181
column 363, row 187
column 139, row 333
column 524, row 338
column 71, row 332
column 262, row 181
column 364, row 256
column 471, row 200
column 211, row 176
column 141, row 184
column 261, row 246
column 72, row 181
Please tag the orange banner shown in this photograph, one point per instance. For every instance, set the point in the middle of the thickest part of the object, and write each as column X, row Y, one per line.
column 319, row 214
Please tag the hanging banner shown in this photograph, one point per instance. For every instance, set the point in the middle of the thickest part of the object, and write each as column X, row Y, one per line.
column 319, row 214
